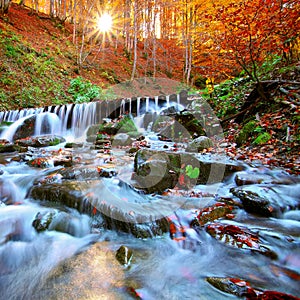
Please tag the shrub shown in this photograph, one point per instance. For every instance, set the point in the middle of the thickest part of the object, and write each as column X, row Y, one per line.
column 83, row 90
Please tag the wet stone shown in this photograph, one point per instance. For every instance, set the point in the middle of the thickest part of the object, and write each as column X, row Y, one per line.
column 211, row 213
column 42, row 221
column 124, row 255
column 239, row 237
column 199, row 144
column 40, row 141
column 157, row 170
column 245, row 178
column 268, row 200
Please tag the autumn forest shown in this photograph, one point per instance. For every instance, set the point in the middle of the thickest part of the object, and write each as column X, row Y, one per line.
column 149, row 149
column 218, row 38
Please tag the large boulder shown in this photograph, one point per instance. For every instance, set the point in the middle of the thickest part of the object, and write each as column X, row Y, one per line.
column 157, row 170
column 136, row 215
column 199, row 144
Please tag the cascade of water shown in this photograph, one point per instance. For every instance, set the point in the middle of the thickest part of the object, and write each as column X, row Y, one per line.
column 129, row 99
column 138, row 104
column 9, row 132
column 47, row 123
column 73, row 119
column 147, row 104
column 156, row 103
column 64, row 115
column 178, row 100
column 168, row 100
column 122, row 107
column 83, row 116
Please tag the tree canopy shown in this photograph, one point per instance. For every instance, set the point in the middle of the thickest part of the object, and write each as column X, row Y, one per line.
column 218, row 37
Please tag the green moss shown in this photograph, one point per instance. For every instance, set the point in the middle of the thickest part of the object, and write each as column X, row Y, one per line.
column 262, row 138
column 126, row 124
column 55, row 142
column 245, row 133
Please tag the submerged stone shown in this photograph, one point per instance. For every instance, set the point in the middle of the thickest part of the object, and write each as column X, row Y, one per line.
column 268, row 200
column 93, row 197
column 124, row 255
column 239, row 237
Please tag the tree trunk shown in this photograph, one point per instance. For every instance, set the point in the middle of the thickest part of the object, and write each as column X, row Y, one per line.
column 4, row 6
column 135, row 12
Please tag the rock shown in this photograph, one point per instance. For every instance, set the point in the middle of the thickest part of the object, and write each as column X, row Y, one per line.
column 93, row 269
column 40, row 141
column 69, row 193
column 75, row 145
column 242, row 288
column 229, row 285
column 268, row 200
column 106, row 172
column 156, row 170
column 124, row 255
column 213, row 212
column 121, row 139
column 239, row 237
column 42, row 221
column 27, row 128
column 116, row 214
column 93, row 130
column 123, row 124
column 199, row 144
column 7, row 148
column 246, row 132
column 88, row 172
column 245, row 178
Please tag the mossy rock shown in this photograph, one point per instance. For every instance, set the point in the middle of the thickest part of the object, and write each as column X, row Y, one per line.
column 245, row 133
column 126, row 124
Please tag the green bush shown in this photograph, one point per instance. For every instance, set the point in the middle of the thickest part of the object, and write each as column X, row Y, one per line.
column 83, row 90
column 262, row 138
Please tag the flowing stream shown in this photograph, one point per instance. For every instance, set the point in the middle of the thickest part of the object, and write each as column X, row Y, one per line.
column 79, row 262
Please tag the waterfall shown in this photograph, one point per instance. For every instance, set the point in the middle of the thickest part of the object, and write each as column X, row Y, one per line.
column 147, row 104
column 46, row 123
column 74, row 119
column 168, row 100
column 129, row 99
column 138, row 106
column 156, row 103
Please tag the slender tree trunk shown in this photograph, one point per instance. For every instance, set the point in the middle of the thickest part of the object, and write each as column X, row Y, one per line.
column 154, row 40
column 135, row 11
column 74, row 21
column 51, row 8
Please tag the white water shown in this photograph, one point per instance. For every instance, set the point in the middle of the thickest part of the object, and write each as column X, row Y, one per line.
column 72, row 120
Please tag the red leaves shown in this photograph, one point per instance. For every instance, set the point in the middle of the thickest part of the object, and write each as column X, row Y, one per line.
column 234, row 235
column 181, row 179
column 242, row 288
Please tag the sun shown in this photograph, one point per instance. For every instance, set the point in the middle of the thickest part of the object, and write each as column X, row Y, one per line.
column 104, row 23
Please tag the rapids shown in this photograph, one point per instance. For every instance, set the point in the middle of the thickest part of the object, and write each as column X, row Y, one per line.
column 78, row 261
